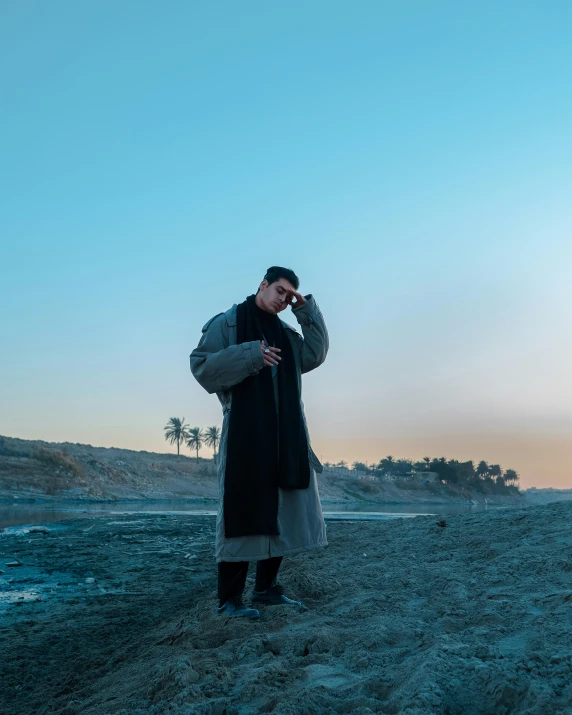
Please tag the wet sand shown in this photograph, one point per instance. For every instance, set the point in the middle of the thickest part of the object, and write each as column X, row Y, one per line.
column 118, row 615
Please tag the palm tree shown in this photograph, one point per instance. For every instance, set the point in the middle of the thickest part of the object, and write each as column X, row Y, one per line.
column 482, row 469
column 387, row 464
column 195, row 439
column 176, row 431
column 495, row 470
column 427, row 461
column 342, row 464
column 212, row 438
column 402, row 466
column 511, row 476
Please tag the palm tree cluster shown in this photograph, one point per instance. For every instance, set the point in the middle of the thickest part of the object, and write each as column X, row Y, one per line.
column 177, row 432
column 469, row 474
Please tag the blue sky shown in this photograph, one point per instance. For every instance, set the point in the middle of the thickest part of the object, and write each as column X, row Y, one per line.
column 411, row 161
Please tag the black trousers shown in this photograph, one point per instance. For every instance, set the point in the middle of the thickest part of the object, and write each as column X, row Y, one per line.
column 232, row 577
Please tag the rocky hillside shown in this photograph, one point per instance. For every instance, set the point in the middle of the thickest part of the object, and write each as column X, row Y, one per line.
column 45, row 470
column 35, row 469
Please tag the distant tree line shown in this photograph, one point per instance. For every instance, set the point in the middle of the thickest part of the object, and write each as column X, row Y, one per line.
column 467, row 474
column 480, row 476
column 179, row 433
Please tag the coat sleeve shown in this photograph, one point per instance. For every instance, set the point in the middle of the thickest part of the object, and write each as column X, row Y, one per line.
column 315, row 344
column 218, row 366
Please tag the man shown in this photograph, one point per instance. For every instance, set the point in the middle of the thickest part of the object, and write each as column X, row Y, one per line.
column 269, row 503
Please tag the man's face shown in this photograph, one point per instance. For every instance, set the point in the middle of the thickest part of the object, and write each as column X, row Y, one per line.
column 274, row 297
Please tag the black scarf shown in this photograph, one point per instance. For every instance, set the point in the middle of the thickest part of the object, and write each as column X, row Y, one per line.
column 267, row 448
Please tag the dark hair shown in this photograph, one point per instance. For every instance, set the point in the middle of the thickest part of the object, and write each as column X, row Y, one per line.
column 275, row 273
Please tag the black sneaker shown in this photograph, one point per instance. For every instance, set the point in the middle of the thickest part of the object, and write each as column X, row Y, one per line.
column 238, row 609
column 274, row 596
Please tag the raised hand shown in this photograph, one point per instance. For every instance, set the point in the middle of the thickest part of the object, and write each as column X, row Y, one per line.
column 295, row 298
column 270, row 354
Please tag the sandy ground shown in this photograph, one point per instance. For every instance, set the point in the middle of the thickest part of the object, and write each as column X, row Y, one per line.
column 118, row 616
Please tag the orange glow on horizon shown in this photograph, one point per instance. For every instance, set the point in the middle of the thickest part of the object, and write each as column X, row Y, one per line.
column 541, row 461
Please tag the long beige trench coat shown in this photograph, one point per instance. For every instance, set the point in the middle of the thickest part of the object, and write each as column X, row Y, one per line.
column 218, row 364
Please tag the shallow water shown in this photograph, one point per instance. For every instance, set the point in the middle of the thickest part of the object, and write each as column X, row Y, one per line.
column 12, row 514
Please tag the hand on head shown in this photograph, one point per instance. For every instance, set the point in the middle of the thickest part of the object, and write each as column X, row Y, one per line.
column 295, row 299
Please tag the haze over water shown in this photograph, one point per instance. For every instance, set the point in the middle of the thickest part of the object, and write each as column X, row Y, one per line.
column 410, row 161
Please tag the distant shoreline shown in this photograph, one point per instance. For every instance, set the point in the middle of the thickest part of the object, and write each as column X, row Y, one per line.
column 34, row 471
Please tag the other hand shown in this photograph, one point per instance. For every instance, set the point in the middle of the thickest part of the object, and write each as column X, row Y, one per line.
column 271, row 357
column 296, row 299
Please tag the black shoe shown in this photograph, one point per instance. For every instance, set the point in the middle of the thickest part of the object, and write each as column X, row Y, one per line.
column 274, row 596
column 238, row 609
